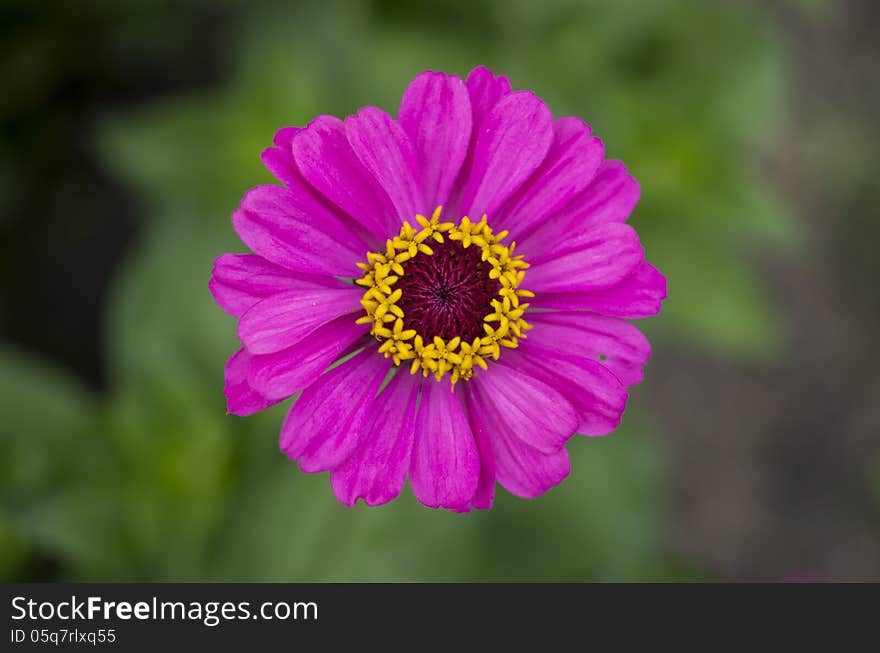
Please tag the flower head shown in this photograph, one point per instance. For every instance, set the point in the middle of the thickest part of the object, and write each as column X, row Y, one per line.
column 447, row 291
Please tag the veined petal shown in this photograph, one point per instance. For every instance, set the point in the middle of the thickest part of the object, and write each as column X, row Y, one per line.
column 610, row 197
column 376, row 470
column 324, row 425
column 592, row 389
column 568, row 169
column 239, row 281
column 525, row 407
column 526, row 472
column 512, row 141
column 241, row 398
column 485, row 89
column 325, row 159
column 279, row 158
column 615, row 343
column 386, row 151
column 523, row 470
column 639, row 295
column 435, row 112
column 283, row 373
column 283, row 138
column 295, row 231
column 283, row 319
column 602, row 258
column 485, row 493
column 445, row 466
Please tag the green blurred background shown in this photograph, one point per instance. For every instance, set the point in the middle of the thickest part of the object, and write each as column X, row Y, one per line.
column 129, row 131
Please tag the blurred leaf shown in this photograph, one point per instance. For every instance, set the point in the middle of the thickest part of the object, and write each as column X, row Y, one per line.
column 44, row 410
column 13, row 550
column 719, row 305
column 602, row 523
column 288, row 526
column 47, row 430
column 168, row 343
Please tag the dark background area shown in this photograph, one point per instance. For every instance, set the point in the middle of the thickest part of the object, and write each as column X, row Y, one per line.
column 752, row 450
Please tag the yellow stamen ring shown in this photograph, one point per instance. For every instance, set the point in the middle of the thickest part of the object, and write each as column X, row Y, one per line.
column 503, row 327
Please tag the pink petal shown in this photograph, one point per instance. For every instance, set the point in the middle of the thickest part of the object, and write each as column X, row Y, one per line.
column 283, row 138
column 485, row 91
column 610, row 197
column 384, row 149
column 283, row 373
column 280, row 164
column 485, row 493
column 445, row 464
column 617, row 344
column 512, row 141
column 569, row 167
column 279, row 159
column 290, row 228
column 325, row 159
column 324, row 425
column 524, row 406
column 377, row 468
column 593, row 390
column 639, row 295
column 435, row 112
column 241, row 398
column 524, row 471
column 239, row 281
column 283, row 319
column 603, row 257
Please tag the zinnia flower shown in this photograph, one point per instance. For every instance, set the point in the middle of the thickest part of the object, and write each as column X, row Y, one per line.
column 447, row 291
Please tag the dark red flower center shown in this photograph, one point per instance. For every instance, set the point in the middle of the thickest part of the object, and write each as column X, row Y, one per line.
column 449, row 293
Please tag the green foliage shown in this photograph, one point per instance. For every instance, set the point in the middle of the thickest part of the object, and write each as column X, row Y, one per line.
column 48, row 423
column 154, row 481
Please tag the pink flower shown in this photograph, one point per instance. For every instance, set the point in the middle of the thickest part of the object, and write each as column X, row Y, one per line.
column 473, row 347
